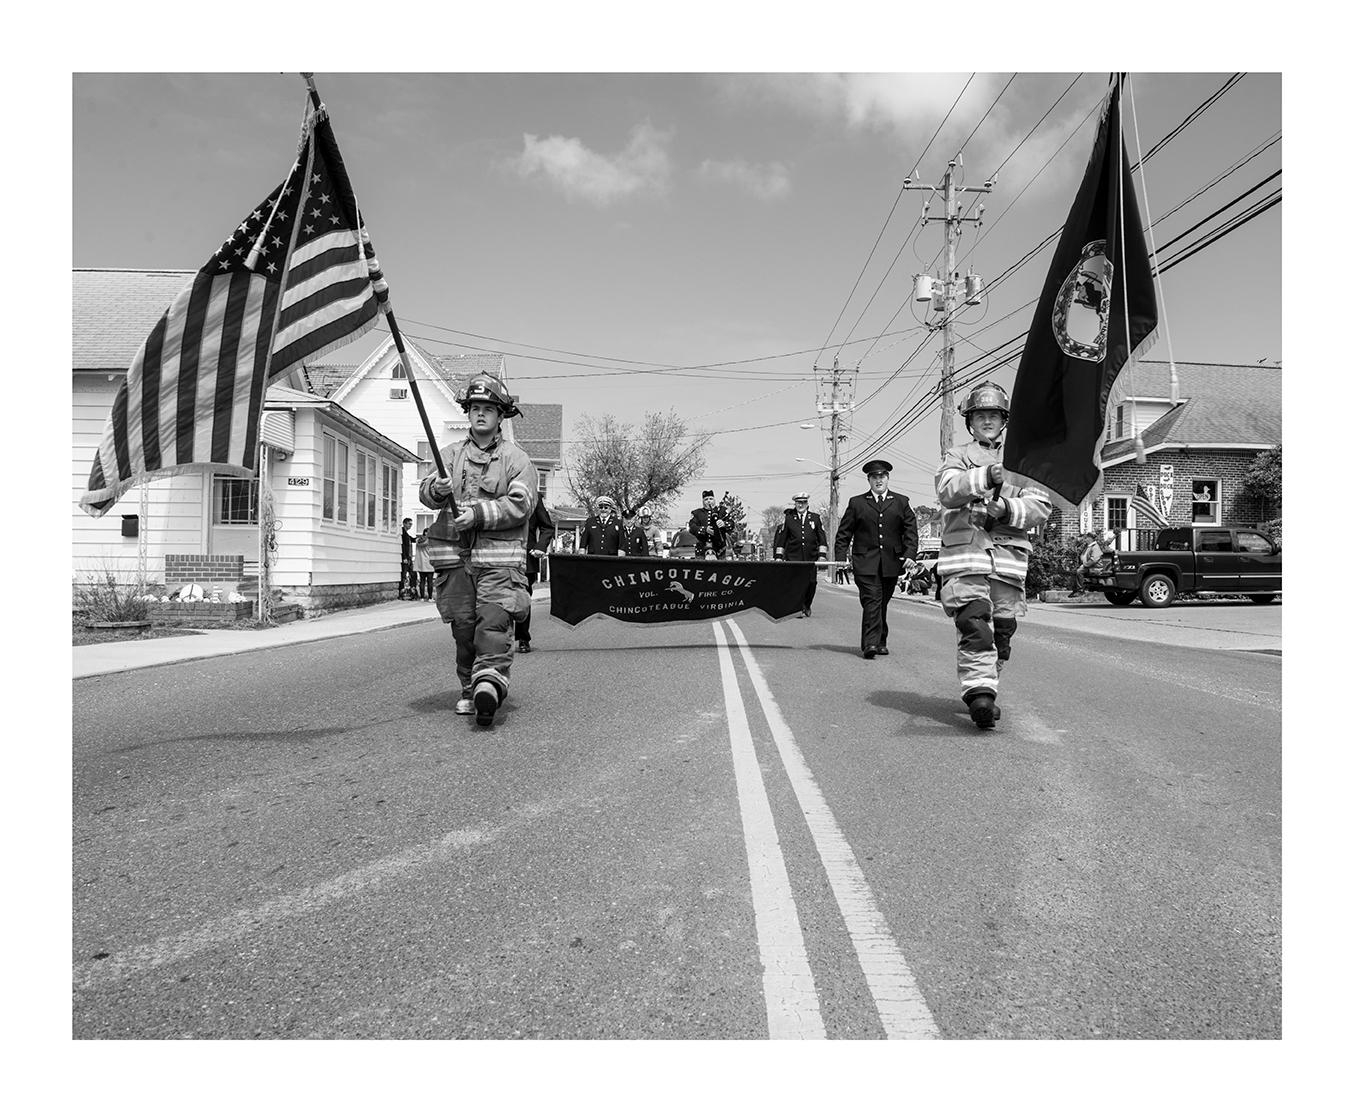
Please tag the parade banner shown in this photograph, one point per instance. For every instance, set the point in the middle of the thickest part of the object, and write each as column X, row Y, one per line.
column 651, row 590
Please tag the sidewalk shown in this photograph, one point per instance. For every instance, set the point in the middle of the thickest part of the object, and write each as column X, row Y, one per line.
column 124, row 656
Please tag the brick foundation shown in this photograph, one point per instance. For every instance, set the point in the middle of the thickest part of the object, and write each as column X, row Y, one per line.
column 200, row 614
column 317, row 600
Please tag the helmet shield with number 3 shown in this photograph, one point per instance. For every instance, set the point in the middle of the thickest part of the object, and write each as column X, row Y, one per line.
column 486, row 388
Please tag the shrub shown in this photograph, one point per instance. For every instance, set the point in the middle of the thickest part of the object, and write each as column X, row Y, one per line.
column 106, row 599
column 1053, row 565
column 1274, row 528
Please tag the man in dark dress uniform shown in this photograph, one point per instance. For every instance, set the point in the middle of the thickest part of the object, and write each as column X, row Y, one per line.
column 880, row 529
column 711, row 528
column 602, row 531
column 802, row 538
column 540, row 532
column 633, row 540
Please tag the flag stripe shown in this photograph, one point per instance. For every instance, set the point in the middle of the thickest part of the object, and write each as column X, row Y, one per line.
column 259, row 375
column 185, row 424
column 321, row 339
column 120, row 442
column 343, row 255
column 317, row 302
column 150, row 396
column 228, row 362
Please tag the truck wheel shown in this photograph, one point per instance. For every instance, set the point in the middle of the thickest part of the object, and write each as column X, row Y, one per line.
column 1157, row 591
column 1262, row 598
column 1121, row 598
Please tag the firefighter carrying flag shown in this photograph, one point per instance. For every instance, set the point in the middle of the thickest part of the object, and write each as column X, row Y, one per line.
column 1097, row 310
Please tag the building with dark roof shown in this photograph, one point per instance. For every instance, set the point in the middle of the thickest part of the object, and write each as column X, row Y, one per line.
column 1199, row 438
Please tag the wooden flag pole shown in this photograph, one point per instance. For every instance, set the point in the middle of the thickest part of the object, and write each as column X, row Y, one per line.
column 399, row 342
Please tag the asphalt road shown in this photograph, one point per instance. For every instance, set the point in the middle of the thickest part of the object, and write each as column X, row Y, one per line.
column 664, row 836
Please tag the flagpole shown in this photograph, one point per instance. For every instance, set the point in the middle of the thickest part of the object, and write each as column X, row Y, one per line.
column 1152, row 239
column 265, row 506
column 1139, row 451
column 395, row 335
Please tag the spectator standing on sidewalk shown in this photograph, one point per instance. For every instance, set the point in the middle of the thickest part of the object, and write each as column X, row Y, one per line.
column 408, row 580
column 423, row 567
column 540, row 533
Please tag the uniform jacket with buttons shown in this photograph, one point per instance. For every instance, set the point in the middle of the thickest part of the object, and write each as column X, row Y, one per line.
column 540, row 533
column 982, row 547
column 801, row 539
column 601, row 538
column 879, row 540
column 633, row 541
column 711, row 528
column 499, row 484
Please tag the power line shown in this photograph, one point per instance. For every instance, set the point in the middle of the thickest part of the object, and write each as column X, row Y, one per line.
column 827, row 339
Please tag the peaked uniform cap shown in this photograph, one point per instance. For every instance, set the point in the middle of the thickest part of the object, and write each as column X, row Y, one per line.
column 802, row 496
column 878, row 465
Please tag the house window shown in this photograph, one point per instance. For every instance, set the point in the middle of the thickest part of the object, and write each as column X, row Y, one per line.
column 425, row 460
column 1116, row 513
column 397, row 371
column 390, row 485
column 1118, row 422
column 235, row 501
column 541, row 477
column 371, row 494
column 397, row 393
column 335, row 502
column 1207, row 501
column 422, row 521
column 365, row 503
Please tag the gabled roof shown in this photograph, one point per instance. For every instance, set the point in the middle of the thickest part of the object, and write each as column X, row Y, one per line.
column 539, row 430
column 327, row 379
column 1220, row 404
column 284, row 397
column 113, row 311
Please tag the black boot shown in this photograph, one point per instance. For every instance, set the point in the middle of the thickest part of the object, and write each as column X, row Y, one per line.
column 983, row 709
column 486, row 702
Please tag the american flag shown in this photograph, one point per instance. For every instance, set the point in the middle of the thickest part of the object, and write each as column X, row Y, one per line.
column 193, row 395
column 1147, row 508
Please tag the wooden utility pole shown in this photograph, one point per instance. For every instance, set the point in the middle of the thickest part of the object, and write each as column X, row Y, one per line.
column 953, row 218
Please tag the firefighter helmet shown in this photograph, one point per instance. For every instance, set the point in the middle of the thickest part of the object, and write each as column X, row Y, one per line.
column 486, row 388
column 986, row 395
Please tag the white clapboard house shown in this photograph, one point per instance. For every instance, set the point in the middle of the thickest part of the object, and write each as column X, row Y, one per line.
column 338, row 482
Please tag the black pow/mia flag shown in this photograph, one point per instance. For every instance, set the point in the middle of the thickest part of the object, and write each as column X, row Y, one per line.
column 1098, row 304
column 652, row 591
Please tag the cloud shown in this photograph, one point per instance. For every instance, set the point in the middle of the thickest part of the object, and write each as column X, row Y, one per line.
column 767, row 181
column 583, row 174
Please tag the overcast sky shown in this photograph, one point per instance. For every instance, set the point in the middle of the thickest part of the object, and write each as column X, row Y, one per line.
column 597, row 228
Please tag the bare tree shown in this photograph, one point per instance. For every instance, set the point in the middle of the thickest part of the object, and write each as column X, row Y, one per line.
column 638, row 468
column 772, row 516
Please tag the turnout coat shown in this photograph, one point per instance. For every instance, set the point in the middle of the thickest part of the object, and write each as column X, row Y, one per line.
column 1001, row 549
column 796, row 540
column 879, row 541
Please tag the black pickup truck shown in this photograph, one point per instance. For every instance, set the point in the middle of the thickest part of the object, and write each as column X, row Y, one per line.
column 1188, row 560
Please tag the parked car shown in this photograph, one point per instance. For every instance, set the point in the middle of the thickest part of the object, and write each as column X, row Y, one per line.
column 1235, row 560
column 682, row 546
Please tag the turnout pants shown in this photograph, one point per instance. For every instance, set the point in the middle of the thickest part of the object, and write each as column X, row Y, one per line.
column 875, row 592
column 984, row 610
column 523, row 632
column 481, row 604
